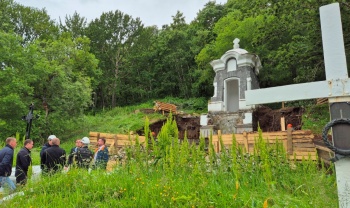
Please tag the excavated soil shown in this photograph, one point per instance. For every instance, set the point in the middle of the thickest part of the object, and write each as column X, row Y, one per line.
column 268, row 120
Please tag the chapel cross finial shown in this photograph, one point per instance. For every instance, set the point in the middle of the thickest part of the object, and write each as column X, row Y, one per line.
column 236, row 43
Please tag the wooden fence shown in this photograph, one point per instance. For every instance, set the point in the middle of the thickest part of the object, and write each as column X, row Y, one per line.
column 298, row 144
column 115, row 141
column 165, row 107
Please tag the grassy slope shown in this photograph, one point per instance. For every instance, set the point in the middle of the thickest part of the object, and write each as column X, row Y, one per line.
column 186, row 176
column 124, row 119
column 316, row 117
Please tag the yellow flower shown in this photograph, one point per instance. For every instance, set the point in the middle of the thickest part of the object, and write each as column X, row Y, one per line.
column 265, row 204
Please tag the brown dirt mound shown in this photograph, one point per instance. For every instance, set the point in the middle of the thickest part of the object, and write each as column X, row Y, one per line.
column 270, row 120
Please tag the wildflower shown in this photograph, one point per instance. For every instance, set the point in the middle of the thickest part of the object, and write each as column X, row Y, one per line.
column 265, row 204
column 234, row 196
column 237, row 185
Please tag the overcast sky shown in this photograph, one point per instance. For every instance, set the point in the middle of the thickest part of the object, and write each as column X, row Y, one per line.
column 151, row 12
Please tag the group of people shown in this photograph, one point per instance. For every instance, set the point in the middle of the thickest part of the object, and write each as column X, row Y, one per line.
column 52, row 158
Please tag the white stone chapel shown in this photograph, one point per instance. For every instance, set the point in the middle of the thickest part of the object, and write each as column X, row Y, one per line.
column 235, row 72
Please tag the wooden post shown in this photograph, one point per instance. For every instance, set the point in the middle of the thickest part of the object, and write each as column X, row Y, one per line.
column 283, row 124
column 218, row 142
column 246, row 144
column 289, row 140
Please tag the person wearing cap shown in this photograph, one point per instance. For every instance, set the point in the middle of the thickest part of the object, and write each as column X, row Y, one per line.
column 72, row 154
column 84, row 154
column 44, row 147
column 23, row 162
column 6, row 160
column 54, row 157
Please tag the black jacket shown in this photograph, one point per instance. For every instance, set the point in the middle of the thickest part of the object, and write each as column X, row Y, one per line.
column 54, row 158
column 43, row 148
column 6, row 160
column 23, row 162
column 72, row 154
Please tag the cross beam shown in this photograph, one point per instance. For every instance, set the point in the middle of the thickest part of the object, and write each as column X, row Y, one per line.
column 336, row 88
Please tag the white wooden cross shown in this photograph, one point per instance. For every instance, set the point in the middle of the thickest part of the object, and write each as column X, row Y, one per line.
column 336, row 88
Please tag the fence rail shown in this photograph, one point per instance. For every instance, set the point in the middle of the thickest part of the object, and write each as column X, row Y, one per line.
column 298, row 144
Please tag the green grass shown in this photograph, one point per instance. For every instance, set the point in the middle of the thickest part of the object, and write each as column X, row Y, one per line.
column 316, row 117
column 172, row 174
column 124, row 119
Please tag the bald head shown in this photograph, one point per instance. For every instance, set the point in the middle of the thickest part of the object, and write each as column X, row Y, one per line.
column 55, row 141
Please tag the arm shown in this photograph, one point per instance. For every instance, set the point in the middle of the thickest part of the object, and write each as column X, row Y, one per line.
column 5, row 161
column 22, row 157
column 105, row 154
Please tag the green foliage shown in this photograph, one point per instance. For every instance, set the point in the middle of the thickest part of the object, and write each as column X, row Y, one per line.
column 184, row 178
column 316, row 117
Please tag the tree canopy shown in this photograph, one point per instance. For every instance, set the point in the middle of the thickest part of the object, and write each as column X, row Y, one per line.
column 72, row 67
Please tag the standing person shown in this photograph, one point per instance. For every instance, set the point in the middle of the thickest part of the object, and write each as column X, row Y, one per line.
column 44, row 147
column 6, row 160
column 73, row 151
column 54, row 158
column 101, row 154
column 23, row 162
column 84, row 154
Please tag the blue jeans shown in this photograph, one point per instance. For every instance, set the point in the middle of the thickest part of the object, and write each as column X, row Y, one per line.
column 6, row 182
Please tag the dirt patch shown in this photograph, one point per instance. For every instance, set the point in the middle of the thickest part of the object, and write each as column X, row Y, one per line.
column 270, row 120
column 187, row 124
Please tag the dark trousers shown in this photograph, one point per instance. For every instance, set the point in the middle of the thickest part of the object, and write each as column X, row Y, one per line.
column 21, row 178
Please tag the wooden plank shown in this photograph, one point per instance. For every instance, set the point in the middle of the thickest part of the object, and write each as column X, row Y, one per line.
column 107, row 135
column 283, row 124
column 302, row 136
column 285, row 145
column 218, row 142
column 94, row 134
column 298, row 157
column 305, row 153
column 301, row 140
column 302, row 132
column 246, row 146
column 323, row 148
column 303, row 145
column 289, row 141
column 306, row 149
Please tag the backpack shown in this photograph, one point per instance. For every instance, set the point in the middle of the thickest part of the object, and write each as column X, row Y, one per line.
column 84, row 157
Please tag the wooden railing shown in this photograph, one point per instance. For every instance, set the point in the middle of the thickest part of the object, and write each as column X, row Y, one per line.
column 298, row 144
column 115, row 141
column 164, row 107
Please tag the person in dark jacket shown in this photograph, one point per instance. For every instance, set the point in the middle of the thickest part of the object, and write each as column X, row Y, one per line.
column 44, row 147
column 73, row 151
column 54, row 158
column 23, row 162
column 6, row 160
column 101, row 154
column 84, row 154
